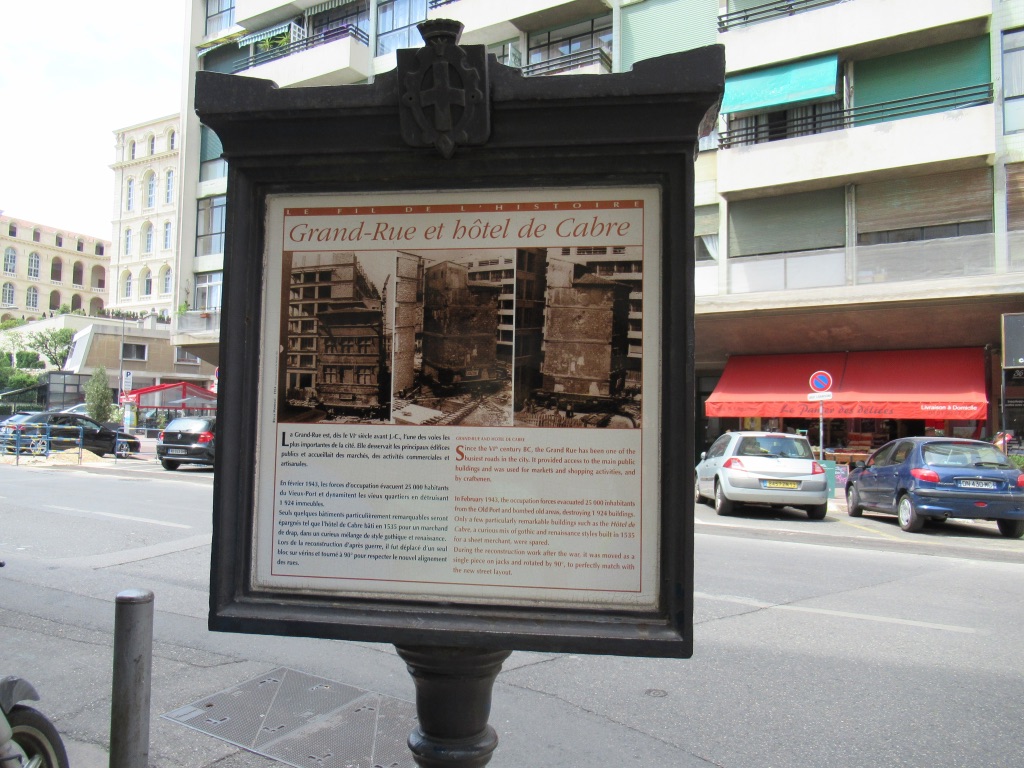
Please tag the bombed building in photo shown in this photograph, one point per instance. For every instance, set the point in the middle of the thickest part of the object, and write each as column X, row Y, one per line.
column 460, row 321
column 586, row 336
column 337, row 355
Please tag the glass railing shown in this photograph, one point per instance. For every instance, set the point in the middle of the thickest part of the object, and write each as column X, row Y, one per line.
column 951, row 258
column 198, row 321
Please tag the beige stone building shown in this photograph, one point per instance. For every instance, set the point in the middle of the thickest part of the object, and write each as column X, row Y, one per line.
column 44, row 269
column 144, row 236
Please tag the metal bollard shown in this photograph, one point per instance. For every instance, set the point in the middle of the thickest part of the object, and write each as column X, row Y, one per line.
column 130, row 691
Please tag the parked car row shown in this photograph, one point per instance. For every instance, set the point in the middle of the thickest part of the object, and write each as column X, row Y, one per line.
column 918, row 479
column 48, row 431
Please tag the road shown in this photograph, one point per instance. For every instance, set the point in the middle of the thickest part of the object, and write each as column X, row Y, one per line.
column 844, row 642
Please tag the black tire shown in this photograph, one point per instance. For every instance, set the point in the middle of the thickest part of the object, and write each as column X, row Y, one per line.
column 723, row 505
column 853, row 507
column 1011, row 529
column 817, row 511
column 37, row 736
column 697, row 498
column 910, row 521
column 122, row 449
column 169, row 465
column 37, row 446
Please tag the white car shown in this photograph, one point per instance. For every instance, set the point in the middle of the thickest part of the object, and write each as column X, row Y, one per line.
column 762, row 468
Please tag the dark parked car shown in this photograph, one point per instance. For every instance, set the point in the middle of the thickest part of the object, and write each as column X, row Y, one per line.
column 936, row 478
column 39, row 433
column 188, row 440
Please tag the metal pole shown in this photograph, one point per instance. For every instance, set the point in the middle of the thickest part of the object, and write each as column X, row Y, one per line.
column 130, row 691
column 821, row 430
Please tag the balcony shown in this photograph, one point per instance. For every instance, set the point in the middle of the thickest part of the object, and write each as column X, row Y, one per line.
column 340, row 56
column 851, row 145
column 955, row 265
column 768, row 11
column 593, row 61
column 256, row 14
column 486, row 21
column 819, row 26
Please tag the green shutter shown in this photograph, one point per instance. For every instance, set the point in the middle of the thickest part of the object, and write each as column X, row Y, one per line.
column 657, row 27
column 925, row 201
column 938, row 68
column 209, row 145
column 802, row 222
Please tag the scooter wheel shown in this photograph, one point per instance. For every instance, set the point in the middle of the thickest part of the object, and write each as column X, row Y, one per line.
column 37, row 736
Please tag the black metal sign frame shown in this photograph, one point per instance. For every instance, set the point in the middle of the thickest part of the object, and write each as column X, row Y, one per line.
column 631, row 130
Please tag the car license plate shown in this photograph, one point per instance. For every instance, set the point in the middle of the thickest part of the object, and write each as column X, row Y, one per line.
column 987, row 485
column 780, row 484
column 176, row 451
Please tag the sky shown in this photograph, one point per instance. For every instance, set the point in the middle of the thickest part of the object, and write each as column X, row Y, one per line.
column 73, row 72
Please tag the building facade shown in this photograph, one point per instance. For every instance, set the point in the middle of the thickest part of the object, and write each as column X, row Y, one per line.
column 45, row 269
column 864, row 189
column 144, row 237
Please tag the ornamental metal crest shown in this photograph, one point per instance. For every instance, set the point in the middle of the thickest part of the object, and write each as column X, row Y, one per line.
column 443, row 90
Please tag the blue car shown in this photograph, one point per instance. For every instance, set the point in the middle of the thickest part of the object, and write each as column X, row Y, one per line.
column 939, row 478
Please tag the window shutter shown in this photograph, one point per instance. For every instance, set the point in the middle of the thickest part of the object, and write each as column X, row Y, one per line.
column 705, row 220
column 1015, row 196
column 924, row 201
column 801, row 222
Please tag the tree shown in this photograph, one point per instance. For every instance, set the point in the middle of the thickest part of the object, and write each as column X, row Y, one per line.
column 98, row 399
column 54, row 344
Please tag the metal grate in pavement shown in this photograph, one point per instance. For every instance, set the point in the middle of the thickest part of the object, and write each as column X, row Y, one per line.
column 302, row 720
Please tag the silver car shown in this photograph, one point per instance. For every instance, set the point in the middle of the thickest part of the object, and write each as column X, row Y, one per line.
column 762, row 468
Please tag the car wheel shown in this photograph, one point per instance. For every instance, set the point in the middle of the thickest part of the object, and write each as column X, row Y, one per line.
column 123, row 450
column 170, row 466
column 723, row 505
column 910, row 521
column 817, row 511
column 37, row 446
column 853, row 507
column 1011, row 529
column 697, row 498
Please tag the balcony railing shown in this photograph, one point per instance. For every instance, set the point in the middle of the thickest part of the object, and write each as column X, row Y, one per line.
column 297, row 46
column 199, row 321
column 769, row 11
column 948, row 258
column 868, row 114
column 438, row 3
column 577, row 60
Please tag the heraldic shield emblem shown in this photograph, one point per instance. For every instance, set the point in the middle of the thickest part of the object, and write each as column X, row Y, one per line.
column 443, row 90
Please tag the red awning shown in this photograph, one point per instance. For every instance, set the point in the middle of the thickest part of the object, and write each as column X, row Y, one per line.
column 895, row 384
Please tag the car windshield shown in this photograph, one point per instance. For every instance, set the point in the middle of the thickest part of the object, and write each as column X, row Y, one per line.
column 964, row 455
column 189, row 425
column 778, row 446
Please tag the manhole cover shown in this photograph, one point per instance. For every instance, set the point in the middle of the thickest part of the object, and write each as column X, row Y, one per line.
column 303, row 720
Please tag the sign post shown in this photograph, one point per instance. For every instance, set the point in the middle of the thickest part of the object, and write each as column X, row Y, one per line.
column 412, row 472
column 821, row 384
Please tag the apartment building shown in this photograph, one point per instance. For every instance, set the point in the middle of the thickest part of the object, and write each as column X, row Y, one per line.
column 45, row 269
column 863, row 191
column 145, row 217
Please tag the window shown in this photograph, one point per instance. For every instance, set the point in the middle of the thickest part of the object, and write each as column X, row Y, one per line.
column 12, row 230
column 33, row 266
column 7, row 295
column 172, row 140
column 1013, row 81
column 58, row 241
column 10, row 261
column 126, row 286
column 396, row 24
column 80, row 246
column 585, row 36
column 168, row 242
column 210, row 226
column 32, row 298
column 131, row 150
column 208, row 290
column 165, row 286
column 100, row 250
column 133, row 352
column 147, row 238
column 355, row 15
column 127, row 242
column 181, row 356
column 150, row 190
column 152, row 145
column 220, row 14
column 35, row 236
column 169, row 188
column 147, row 283
column 129, row 195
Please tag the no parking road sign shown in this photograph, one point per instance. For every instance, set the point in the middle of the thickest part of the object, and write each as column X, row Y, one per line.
column 821, row 381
